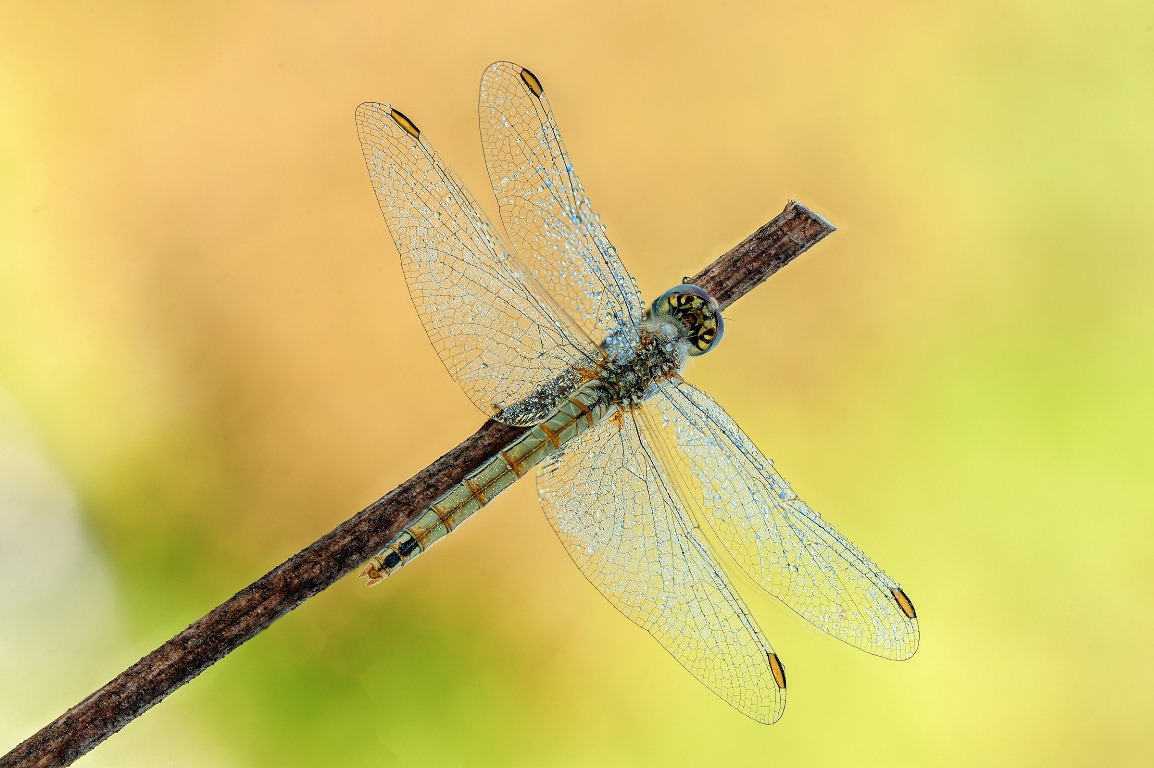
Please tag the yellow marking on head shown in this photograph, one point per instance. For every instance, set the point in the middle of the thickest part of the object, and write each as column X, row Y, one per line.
column 778, row 670
column 705, row 338
column 532, row 82
column 406, row 124
column 904, row 603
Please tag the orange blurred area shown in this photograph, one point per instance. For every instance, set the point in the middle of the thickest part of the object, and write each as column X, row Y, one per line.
column 208, row 359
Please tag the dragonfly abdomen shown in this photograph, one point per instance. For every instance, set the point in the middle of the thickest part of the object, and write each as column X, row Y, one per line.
column 588, row 405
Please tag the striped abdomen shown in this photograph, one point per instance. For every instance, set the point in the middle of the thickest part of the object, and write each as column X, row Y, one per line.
column 584, row 408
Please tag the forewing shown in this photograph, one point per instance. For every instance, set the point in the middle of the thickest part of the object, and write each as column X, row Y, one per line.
column 544, row 207
column 777, row 540
column 621, row 521
column 499, row 337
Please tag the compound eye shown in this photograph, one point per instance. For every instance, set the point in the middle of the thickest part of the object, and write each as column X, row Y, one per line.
column 705, row 333
column 705, row 338
column 697, row 311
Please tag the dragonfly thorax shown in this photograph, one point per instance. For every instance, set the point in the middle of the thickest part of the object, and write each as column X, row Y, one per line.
column 661, row 350
column 684, row 321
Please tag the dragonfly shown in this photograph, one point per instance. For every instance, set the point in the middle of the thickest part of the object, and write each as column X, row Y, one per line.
column 543, row 327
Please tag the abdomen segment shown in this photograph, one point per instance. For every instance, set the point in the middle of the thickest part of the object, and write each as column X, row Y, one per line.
column 584, row 408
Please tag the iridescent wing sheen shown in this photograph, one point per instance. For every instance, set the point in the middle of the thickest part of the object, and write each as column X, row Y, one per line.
column 621, row 520
column 544, row 207
column 774, row 537
column 499, row 335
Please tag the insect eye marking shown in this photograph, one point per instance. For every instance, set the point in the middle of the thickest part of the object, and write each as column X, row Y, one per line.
column 697, row 313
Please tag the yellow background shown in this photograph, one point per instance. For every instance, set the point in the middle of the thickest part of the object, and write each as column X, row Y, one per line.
column 208, row 359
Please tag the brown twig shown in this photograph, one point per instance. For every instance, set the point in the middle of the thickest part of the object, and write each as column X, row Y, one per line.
column 322, row 563
column 753, row 260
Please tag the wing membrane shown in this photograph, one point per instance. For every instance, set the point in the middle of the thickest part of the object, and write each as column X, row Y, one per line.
column 544, row 207
column 497, row 333
column 621, row 521
column 777, row 540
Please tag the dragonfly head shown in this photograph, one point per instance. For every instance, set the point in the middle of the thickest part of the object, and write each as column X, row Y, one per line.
column 694, row 310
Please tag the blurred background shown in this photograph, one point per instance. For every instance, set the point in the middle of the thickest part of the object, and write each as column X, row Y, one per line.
column 208, row 359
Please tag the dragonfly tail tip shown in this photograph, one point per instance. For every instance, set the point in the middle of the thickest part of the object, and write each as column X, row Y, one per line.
column 372, row 574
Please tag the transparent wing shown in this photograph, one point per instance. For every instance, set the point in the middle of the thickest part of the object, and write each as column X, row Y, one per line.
column 777, row 540
column 544, row 208
column 622, row 523
column 499, row 335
